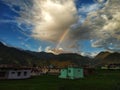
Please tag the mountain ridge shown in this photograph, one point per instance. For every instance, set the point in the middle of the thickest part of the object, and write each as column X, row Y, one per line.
column 11, row 55
column 14, row 56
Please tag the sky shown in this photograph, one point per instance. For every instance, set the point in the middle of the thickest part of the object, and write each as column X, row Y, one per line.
column 86, row 27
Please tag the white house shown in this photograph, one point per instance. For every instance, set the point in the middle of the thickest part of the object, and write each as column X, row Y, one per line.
column 15, row 73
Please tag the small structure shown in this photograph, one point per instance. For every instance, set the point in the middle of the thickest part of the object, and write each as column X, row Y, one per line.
column 114, row 66
column 54, row 71
column 88, row 71
column 104, row 67
column 15, row 73
column 44, row 70
column 111, row 66
column 71, row 73
column 36, row 72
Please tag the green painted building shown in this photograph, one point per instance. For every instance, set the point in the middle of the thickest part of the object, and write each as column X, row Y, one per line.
column 71, row 73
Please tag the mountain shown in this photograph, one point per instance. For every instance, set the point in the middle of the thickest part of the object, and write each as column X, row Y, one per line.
column 108, row 58
column 18, row 57
column 11, row 55
column 102, row 55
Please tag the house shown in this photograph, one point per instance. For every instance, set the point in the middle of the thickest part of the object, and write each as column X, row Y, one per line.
column 36, row 71
column 104, row 67
column 15, row 73
column 45, row 70
column 88, row 71
column 54, row 71
column 114, row 66
column 111, row 66
column 71, row 73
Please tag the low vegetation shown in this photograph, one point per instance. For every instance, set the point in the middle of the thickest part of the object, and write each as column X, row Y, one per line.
column 101, row 80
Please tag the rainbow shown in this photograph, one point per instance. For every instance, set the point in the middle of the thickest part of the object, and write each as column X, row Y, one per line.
column 62, row 38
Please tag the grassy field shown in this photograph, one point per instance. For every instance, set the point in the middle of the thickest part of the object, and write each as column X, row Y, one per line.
column 101, row 80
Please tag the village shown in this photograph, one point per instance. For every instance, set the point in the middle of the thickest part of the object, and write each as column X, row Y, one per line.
column 70, row 72
column 54, row 78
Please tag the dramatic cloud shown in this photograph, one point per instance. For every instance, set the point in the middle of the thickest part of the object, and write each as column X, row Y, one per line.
column 53, row 18
column 54, row 50
column 106, row 25
column 60, row 22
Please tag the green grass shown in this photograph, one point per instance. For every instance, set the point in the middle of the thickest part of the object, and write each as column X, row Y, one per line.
column 101, row 80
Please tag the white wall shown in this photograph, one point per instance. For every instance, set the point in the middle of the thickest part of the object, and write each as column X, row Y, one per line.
column 13, row 74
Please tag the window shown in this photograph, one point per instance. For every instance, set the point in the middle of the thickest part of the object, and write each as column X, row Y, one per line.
column 2, row 74
column 19, row 73
column 13, row 72
column 79, row 70
column 25, row 73
column 69, row 71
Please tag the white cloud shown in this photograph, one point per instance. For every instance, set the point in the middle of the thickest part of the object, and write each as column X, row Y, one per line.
column 49, row 49
column 87, row 8
column 53, row 18
column 26, row 45
column 91, row 55
column 56, row 50
column 40, row 49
